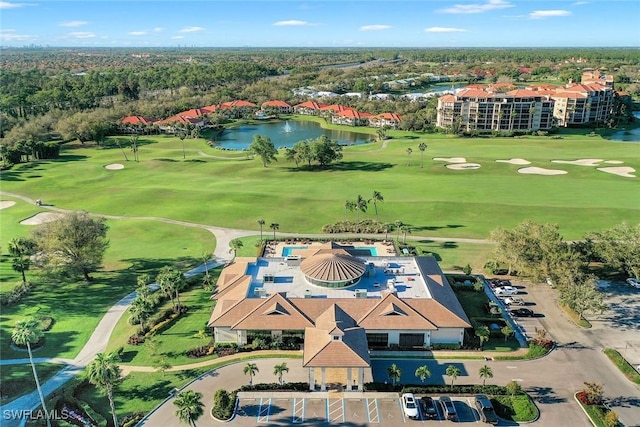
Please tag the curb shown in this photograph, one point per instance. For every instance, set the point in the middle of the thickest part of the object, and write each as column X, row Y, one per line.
column 575, row 397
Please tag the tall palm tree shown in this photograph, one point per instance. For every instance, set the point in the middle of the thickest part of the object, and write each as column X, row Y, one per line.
column 104, row 373
column 483, row 333
column 251, row 369
column 27, row 332
column 453, row 372
column 422, row 147
column 376, row 197
column 409, row 151
column 190, row 406
column 399, row 225
column 261, row 224
column 361, row 205
column 20, row 250
column 423, row 373
column 171, row 282
column 235, row 244
column 485, row 372
column 140, row 309
column 349, row 205
column 405, row 229
column 394, row 373
column 274, row 226
column 279, row 370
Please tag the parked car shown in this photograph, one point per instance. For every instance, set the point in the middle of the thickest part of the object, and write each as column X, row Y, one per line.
column 449, row 408
column 514, row 301
column 521, row 312
column 485, row 409
column 409, row 405
column 428, row 407
column 549, row 282
column 506, row 290
column 634, row 282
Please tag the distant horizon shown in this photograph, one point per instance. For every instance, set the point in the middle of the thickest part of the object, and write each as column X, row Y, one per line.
column 320, row 23
column 34, row 47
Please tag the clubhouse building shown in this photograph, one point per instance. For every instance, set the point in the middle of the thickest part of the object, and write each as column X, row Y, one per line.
column 339, row 301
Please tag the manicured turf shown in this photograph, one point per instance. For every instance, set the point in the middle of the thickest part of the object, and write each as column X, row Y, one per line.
column 18, row 379
column 434, row 200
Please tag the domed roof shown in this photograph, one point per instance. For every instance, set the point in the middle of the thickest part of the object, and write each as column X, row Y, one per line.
column 332, row 266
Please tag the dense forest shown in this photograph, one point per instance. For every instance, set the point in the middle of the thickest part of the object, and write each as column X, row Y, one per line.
column 50, row 93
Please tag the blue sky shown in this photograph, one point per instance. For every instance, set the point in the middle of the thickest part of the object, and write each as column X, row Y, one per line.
column 417, row 23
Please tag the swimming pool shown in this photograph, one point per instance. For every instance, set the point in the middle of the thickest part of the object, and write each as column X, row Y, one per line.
column 288, row 250
column 363, row 251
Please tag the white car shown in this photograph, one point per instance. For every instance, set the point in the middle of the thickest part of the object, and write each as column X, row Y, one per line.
column 634, row 282
column 514, row 301
column 506, row 290
column 409, row 405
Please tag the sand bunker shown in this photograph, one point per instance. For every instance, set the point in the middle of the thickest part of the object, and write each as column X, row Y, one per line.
column 515, row 161
column 6, row 204
column 114, row 166
column 463, row 166
column 580, row 162
column 541, row 171
column 451, row 159
column 40, row 218
column 624, row 171
column 614, row 162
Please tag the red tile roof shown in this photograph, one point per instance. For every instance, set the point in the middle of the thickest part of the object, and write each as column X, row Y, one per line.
column 335, row 108
column 195, row 112
column 179, row 119
column 313, row 105
column 138, row 120
column 388, row 116
column 276, row 103
column 353, row 114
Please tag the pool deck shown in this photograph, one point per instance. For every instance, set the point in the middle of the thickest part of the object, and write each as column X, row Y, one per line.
column 275, row 250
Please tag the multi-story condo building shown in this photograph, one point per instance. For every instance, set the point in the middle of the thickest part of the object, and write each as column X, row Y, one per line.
column 502, row 107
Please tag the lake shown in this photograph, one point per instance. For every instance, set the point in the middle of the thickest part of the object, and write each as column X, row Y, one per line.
column 632, row 135
column 285, row 134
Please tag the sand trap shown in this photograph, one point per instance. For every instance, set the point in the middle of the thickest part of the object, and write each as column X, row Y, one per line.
column 41, row 218
column 463, row 166
column 624, row 171
column 541, row 171
column 451, row 159
column 580, row 162
column 114, row 166
column 4, row 204
column 614, row 162
column 515, row 161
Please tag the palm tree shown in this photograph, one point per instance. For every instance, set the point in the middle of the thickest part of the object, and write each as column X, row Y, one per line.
column 235, row 244
column 104, row 373
column 27, row 332
column 190, row 406
column 422, row 147
column 140, row 310
column 423, row 373
column 279, row 370
column 20, row 250
column 506, row 331
column 274, row 226
column 201, row 335
column 261, row 223
column 349, row 205
column 182, row 134
column 376, row 197
column 398, row 226
column 251, row 369
column 361, row 206
column 405, row 229
column 171, row 281
column 394, row 373
column 453, row 372
column 409, row 151
column 483, row 333
column 485, row 372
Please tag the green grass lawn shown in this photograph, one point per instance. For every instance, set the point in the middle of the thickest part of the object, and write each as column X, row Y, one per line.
column 519, row 408
column 434, row 200
column 18, row 379
column 176, row 340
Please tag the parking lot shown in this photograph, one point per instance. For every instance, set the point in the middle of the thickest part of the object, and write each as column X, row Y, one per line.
column 356, row 409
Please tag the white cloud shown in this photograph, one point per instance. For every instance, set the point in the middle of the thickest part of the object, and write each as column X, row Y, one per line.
column 137, row 33
column 375, row 27
column 11, row 35
column 7, row 5
column 579, row 3
column 444, row 30
column 158, row 30
column 73, row 23
column 540, row 14
column 82, row 35
column 191, row 29
column 477, row 8
column 291, row 23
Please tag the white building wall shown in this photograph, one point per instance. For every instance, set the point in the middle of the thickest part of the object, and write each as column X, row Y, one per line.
column 447, row 336
column 221, row 334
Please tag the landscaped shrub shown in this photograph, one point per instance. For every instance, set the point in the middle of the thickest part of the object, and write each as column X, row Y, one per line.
column 200, row 351
column 457, row 389
column 445, row 346
column 275, row 387
column 16, row 294
column 136, row 339
column 364, row 226
column 223, row 404
column 46, row 323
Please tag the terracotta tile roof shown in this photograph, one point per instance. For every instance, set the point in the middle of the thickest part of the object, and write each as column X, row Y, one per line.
column 233, row 311
column 354, row 114
column 276, row 103
column 388, row 116
column 179, row 119
column 354, row 307
column 448, row 98
column 275, row 312
column 312, row 105
column 393, row 313
column 570, row 95
column 236, row 104
column 523, row 93
column 138, row 120
column 336, row 108
column 438, row 314
column 195, row 112
column 211, row 108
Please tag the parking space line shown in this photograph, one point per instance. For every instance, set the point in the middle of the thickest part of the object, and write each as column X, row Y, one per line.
column 298, row 411
column 263, row 412
column 372, row 411
column 473, row 411
column 401, row 410
column 335, row 410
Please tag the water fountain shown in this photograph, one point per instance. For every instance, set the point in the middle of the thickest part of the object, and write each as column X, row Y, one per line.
column 287, row 127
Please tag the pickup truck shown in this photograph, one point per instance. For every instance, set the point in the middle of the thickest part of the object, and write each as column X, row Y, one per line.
column 514, row 301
